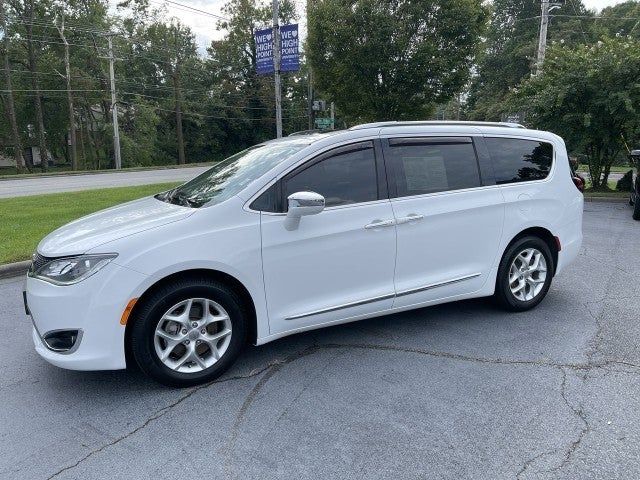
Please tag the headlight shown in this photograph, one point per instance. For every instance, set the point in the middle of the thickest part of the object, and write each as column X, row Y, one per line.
column 70, row 270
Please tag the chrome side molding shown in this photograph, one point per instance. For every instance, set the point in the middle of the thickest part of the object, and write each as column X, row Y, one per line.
column 436, row 285
column 344, row 305
column 382, row 297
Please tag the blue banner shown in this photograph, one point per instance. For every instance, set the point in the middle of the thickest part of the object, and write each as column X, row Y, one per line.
column 290, row 58
column 289, row 43
column 264, row 51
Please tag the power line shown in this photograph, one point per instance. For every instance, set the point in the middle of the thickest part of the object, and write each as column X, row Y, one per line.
column 188, row 7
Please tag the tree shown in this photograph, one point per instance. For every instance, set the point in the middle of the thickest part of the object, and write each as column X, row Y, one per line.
column 390, row 59
column 620, row 20
column 10, row 103
column 510, row 50
column 67, row 77
column 31, row 14
column 590, row 96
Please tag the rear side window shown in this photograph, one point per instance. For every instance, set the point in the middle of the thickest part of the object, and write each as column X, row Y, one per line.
column 516, row 160
column 426, row 167
column 344, row 177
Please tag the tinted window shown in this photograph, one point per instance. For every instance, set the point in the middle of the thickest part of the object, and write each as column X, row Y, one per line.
column 266, row 202
column 343, row 178
column 516, row 160
column 429, row 167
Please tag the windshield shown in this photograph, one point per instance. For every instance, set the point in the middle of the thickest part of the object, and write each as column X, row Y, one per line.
column 230, row 176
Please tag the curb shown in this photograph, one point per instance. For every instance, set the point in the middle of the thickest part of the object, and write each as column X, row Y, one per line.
column 607, row 199
column 14, row 269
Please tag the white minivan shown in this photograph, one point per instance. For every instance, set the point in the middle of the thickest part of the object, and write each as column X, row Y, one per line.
column 304, row 232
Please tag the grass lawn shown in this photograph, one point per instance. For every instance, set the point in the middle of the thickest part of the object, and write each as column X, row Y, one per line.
column 25, row 220
column 614, row 169
column 606, row 193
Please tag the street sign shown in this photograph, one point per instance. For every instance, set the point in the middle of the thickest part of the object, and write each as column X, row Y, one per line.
column 319, row 105
column 289, row 43
column 324, row 123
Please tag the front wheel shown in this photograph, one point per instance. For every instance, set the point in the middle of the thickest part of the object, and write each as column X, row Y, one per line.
column 524, row 275
column 189, row 332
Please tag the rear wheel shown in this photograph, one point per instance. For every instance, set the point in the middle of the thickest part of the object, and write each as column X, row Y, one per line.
column 189, row 332
column 524, row 275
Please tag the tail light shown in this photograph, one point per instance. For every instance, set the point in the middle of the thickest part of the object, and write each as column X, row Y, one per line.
column 578, row 181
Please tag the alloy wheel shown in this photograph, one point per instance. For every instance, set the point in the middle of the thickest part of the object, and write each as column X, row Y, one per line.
column 527, row 274
column 192, row 335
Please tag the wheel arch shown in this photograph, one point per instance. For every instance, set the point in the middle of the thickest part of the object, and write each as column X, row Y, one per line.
column 217, row 275
column 544, row 235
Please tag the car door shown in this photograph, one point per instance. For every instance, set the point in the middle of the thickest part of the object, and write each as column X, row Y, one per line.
column 449, row 218
column 337, row 264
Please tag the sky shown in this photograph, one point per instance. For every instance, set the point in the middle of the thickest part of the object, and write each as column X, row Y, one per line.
column 204, row 26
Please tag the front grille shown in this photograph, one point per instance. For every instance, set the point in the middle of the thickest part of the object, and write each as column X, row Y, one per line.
column 38, row 261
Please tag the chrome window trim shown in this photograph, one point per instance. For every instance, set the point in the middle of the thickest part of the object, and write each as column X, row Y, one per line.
column 382, row 297
column 328, row 209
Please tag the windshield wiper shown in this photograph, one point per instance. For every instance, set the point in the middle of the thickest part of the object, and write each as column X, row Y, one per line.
column 178, row 198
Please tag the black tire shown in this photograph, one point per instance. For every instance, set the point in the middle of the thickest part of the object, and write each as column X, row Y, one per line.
column 148, row 314
column 636, row 210
column 503, row 295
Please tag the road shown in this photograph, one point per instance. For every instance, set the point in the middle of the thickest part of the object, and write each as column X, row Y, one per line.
column 456, row 391
column 70, row 183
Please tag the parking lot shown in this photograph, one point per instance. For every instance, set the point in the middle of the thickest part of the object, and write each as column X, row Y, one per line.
column 456, row 391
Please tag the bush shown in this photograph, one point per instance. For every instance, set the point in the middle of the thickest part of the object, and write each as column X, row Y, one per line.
column 626, row 182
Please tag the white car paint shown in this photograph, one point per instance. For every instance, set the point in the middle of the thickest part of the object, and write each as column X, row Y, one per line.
column 329, row 269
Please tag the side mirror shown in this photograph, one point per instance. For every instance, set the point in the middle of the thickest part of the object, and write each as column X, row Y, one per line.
column 304, row 203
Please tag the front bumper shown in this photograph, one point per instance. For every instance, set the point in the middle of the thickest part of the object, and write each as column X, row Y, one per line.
column 93, row 307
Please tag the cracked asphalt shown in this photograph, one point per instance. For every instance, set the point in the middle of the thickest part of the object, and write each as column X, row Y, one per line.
column 456, row 391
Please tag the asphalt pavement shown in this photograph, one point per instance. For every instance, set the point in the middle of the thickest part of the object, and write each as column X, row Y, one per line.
column 20, row 187
column 457, row 391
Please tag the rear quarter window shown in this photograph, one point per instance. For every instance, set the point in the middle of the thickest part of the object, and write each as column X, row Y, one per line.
column 518, row 160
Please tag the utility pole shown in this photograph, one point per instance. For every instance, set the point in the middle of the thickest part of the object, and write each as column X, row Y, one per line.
column 309, row 98
column 542, row 39
column 67, row 76
column 114, row 107
column 276, row 68
column 333, row 116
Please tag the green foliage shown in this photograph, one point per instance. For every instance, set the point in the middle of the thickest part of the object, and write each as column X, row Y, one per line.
column 384, row 59
column 225, row 106
column 510, row 49
column 620, row 20
column 590, row 96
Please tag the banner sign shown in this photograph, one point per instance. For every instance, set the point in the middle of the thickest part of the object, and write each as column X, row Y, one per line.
column 290, row 58
column 264, row 51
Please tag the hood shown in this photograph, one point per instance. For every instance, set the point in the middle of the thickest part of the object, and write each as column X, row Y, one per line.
column 111, row 224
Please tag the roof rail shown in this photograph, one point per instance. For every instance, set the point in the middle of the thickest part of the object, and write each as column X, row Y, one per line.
column 396, row 123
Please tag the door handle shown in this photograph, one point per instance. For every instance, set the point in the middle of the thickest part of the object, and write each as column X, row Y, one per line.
column 380, row 223
column 412, row 217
